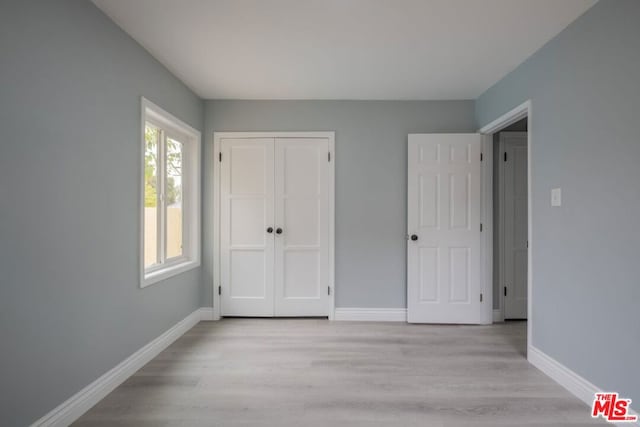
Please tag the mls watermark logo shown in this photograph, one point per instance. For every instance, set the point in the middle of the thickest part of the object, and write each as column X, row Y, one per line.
column 612, row 408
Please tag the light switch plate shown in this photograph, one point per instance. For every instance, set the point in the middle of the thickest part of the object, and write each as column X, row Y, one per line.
column 556, row 197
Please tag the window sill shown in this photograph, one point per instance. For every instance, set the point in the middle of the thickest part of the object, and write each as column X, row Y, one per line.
column 169, row 271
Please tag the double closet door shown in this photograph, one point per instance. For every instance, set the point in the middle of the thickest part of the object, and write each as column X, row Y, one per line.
column 274, row 227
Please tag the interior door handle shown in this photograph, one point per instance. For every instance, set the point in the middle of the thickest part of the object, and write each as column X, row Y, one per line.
column 278, row 230
column 270, row 230
column 414, row 237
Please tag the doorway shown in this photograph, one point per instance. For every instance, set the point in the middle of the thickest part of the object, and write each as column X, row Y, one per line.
column 491, row 142
column 510, row 219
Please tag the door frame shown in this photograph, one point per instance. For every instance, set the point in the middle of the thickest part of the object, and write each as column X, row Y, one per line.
column 217, row 137
column 502, row 233
column 518, row 113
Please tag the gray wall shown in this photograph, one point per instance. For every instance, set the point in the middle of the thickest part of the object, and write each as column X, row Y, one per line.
column 371, row 176
column 70, row 305
column 585, row 129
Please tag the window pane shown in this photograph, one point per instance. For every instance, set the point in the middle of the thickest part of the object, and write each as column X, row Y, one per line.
column 174, row 197
column 151, row 139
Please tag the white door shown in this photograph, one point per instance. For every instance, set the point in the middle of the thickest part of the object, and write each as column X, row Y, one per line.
column 514, row 218
column 247, row 211
column 443, row 246
column 302, row 227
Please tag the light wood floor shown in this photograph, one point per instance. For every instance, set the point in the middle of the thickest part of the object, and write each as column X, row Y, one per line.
column 311, row 372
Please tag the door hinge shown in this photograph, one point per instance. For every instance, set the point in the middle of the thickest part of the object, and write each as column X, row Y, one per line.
column 481, row 157
column 220, row 156
column 328, row 290
column 480, row 297
column 219, row 290
column 505, row 156
column 505, row 291
column 329, row 156
column 481, row 227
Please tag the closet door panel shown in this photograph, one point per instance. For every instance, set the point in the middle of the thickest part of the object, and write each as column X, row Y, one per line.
column 247, row 211
column 301, row 212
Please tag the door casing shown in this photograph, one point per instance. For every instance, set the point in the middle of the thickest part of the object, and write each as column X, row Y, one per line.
column 217, row 138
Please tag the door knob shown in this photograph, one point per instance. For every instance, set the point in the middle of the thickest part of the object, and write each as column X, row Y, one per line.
column 278, row 230
column 414, row 237
column 270, row 230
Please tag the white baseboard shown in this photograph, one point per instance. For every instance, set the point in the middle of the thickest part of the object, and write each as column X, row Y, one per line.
column 371, row 314
column 497, row 316
column 206, row 314
column 574, row 383
column 74, row 407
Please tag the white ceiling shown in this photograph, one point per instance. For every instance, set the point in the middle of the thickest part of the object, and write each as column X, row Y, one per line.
column 342, row 49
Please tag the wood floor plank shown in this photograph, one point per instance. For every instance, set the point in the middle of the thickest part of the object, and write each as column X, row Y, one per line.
column 311, row 372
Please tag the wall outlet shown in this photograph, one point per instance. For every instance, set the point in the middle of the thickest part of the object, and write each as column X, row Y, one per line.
column 556, row 197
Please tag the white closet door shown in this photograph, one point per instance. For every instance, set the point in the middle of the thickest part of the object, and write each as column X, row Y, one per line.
column 443, row 252
column 301, row 212
column 515, row 224
column 247, row 248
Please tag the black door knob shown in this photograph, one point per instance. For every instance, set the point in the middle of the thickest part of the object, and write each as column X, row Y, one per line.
column 414, row 237
column 278, row 230
column 270, row 230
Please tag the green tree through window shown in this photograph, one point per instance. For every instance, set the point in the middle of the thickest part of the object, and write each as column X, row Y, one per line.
column 174, row 168
column 151, row 137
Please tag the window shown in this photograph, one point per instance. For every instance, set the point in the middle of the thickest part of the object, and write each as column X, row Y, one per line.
column 170, row 237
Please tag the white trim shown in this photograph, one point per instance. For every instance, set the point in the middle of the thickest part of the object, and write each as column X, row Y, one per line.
column 215, row 217
column 564, row 376
column 314, row 134
column 518, row 113
column 486, row 219
column 217, row 137
column 574, row 383
column 166, row 272
column 497, row 316
column 191, row 194
column 332, row 224
column 371, row 314
column 206, row 314
column 74, row 407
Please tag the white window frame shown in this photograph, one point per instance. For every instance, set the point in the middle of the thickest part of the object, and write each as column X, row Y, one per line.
column 192, row 141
